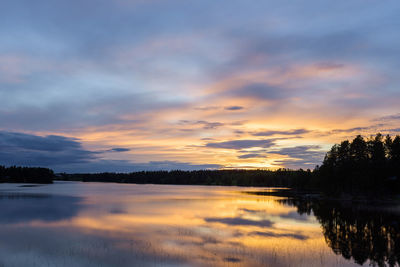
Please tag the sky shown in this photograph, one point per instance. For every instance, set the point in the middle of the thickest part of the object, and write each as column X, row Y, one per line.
column 128, row 85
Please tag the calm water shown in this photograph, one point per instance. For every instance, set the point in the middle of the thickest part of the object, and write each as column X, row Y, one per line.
column 95, row 224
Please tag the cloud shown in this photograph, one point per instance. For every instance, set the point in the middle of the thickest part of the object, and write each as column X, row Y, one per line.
column 282, row 132
column 298, row 151
column 52, row 143
column 207, row 108
column 258, row 91
column 396, row 130
column 239, row 132
column 241, row 144
column 210, row 125
column 354, row 129
column 233, row 108
column 372, row 129
column 297, row 163
column 251, row 155
column 300, row 156
column 205, row 124
column 329, row 65
column 119, row 149
column 393, row 117
column 241, row 222
column 325, row 47
column 102, row 109
column 32, row 150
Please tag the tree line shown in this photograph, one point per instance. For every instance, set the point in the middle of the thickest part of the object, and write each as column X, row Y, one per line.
column 26, row 175
column 240, row 177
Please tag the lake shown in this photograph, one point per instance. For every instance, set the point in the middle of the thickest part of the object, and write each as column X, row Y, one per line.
column 107, row 224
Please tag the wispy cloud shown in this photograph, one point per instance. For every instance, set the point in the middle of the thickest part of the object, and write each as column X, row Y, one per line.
column 119, row 149
column 241, row 144
column 205, row 124
column 300, row 156
column 251, row 156
column 282, row 132
column 233, row 108
column 393, row 117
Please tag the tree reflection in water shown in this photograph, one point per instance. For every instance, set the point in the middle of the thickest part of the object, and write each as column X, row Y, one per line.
column 356, row 231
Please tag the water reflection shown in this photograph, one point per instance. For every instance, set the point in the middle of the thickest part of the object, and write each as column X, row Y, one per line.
column 23, row 208
column 78, row 224
column 357, row 231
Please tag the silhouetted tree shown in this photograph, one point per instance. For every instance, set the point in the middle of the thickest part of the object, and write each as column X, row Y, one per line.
column 395, row 156
column 359, row 150
column 361, row 166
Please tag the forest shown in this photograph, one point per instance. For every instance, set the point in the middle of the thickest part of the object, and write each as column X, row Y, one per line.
column 15, row 174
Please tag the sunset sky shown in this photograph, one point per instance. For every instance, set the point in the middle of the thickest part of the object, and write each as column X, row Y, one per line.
column 127, row 85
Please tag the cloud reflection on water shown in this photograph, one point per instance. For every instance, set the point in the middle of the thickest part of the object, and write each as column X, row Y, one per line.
column 25, row 208
column 148, row 225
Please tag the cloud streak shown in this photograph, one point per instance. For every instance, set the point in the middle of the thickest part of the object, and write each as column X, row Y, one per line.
column 282, row 132
column 241, row 144
column 251, row 156
column 300, row 156
column 234, row 108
